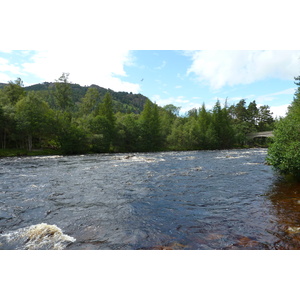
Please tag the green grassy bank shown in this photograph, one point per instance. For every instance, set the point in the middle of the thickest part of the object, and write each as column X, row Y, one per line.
column 23, row 152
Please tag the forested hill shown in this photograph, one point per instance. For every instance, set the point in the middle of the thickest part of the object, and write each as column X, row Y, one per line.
column 122, row 101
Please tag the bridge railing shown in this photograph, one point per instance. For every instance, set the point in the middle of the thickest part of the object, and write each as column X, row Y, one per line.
column 265, row 134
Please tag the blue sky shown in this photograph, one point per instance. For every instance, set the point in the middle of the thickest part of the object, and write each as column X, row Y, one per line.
column 183, row 78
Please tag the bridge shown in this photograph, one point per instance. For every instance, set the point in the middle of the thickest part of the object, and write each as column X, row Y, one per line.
column 262, row 134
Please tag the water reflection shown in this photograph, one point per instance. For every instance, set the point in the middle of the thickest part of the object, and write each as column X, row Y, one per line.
column 285, row 198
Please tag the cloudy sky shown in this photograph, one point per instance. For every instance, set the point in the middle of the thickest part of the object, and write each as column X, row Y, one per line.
column 183, row 78
column 90, row 40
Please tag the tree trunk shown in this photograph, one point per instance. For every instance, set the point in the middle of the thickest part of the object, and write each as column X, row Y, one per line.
column 29, row 142
column 4, row 140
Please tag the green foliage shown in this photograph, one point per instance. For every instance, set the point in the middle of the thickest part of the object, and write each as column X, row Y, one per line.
column 33, row 117
column 149, row 122
column 73, row 141
column 104, row 124
column 63, row 93
column 102, row 132
column 128, row 133
column 14, row 91
column 89, row 101
column 71, row 138
column 284, row 153
column 73, row 119
column 265, row 119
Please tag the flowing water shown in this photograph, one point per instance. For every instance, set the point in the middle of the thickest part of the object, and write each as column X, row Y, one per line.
column 176, row 200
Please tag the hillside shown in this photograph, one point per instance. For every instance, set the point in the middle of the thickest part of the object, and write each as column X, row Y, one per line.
column 2, row 85
column 123, row 101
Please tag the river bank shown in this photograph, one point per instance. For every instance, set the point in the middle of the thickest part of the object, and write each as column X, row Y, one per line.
column 24, row 152
column 46, row 152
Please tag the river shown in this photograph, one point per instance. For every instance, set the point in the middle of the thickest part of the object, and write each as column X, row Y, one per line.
column 175, row 200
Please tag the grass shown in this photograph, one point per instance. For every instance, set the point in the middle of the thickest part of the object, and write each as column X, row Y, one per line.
column 23, row 152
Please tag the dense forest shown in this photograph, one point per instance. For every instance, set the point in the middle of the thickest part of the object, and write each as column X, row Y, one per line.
column 74, row 119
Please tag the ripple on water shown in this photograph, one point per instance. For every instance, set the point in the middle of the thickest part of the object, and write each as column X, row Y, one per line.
column 175, row 200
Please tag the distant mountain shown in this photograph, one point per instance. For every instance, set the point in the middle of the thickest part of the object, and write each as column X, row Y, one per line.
column 2, row 85
column 123, row 101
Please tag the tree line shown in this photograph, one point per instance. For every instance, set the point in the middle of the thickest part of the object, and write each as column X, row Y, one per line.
column 94, row 124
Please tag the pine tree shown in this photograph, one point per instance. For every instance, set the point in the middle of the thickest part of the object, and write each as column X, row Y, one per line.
column 103, row 125
column 89, row 101
column 63, row 93
column 204, row 121
column 150, row 128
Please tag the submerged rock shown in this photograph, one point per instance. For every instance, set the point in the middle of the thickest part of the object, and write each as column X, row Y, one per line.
column 173, row 246
column 293, row 230
column 5, row 215
column 247, row 242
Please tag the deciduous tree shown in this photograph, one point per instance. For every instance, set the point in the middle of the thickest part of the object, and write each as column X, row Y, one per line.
column 33, row 117
column 284, row 153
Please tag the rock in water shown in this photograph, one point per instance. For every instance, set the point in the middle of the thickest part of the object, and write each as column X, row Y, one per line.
column 38, row 237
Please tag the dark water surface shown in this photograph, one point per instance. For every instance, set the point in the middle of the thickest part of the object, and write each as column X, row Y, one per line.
column 175, row 200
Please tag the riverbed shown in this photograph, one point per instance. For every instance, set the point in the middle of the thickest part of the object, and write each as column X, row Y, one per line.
column 198, row 200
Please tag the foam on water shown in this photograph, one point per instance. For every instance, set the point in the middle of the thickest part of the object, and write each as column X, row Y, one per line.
column 37, row 237
column 139, row 158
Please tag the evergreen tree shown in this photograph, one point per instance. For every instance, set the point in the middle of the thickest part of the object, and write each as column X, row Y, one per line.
column 221, row 127
column 106, row 109
column 204, row 122
column 240, row 111
column 265, row 120
column 150, row 128
column 127, row 133
column 102, row 125
column 63, row 93
column 167, row 115
column 107, row 119
column 252, row 116
column 88, row 103
column 102, row 135
column 192, row 133
column 177, row 138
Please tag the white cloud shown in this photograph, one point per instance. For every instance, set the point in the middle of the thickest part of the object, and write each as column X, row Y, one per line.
column 86, row 67
column 279, row 111
column 290, row 91
column 163, row 64
column 4, row 78
column 274, row 96
column 7, row 69
column 179, row 101
column 229, row 68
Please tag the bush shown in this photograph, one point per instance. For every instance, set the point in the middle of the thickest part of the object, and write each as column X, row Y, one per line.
column 284, row 153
